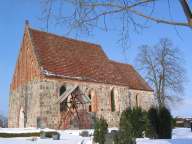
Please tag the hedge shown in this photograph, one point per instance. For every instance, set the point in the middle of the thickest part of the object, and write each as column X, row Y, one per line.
column 32, row 134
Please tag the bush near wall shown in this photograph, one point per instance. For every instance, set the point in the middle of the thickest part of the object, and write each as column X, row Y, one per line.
column 132, row 124
column 100, row 131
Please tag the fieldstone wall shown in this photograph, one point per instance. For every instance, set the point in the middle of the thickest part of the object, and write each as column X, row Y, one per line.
column 124, row 97
column 145, row 99
column 26, row 98
column 38, row 98
column 49, row 109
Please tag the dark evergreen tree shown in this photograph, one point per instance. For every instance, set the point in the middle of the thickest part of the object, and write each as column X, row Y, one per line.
column 153, row 123
column 157, row 123
column 138, row 122
column 125, row 128
column 149, row 131
column 165, row 123
column 132, row 125
column 100, row 130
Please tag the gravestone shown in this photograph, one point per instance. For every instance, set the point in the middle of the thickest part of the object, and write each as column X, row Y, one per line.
column 40, row 123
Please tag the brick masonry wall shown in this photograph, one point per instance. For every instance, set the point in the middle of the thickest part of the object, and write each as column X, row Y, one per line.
column 27, row 68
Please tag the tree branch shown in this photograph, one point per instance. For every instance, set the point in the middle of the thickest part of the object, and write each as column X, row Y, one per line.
column 157, row 20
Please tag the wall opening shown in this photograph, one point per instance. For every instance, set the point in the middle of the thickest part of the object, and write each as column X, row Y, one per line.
column 112, row 100
column 90, row 105
column 63, row 105
column 136, row 99
column 21, row 118
column 62, row 90
column 93, row 98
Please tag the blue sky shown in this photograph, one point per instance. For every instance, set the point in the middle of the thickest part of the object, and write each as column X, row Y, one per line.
column 13, row 14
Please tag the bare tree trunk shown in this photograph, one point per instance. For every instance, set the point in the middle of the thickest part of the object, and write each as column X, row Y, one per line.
column 186, row 10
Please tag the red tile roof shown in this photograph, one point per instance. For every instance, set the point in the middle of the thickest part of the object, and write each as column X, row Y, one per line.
column 68, row 58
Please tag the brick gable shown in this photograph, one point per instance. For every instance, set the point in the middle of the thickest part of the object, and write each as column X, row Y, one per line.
column 27, row 68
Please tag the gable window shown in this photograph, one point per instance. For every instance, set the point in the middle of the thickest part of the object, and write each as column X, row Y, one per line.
column 112, row 100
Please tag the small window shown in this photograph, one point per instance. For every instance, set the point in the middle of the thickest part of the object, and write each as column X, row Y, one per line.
column 90, row 105
column 136, row 99
column 112, row 100
column 62, row 90
column 63, row 105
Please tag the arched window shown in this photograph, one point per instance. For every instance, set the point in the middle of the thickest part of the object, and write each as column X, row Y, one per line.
column 90, row 105
column 136, row 99
column 112, row 100
column 62, row 90
column 93, row 101
column 63, row 105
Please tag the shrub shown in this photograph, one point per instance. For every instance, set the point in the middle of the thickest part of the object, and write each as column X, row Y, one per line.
column 152, row 127
column 165, row 123
column 125, row 128
column 138, row 122
column 132, row 125
column 133, row 122
column 9, row 135
column 160, row 123
column 100, row 130
column 31, row 134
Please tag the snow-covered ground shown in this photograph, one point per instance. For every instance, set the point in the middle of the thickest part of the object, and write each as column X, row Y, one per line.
column 68, row 140
column 164, row 141
column 180, row 136
column 180, row 133
column 66, row 136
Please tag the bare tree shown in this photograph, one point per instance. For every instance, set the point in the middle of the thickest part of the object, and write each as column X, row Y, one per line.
column 123, row 15
column 3, row 121
column 162, row 67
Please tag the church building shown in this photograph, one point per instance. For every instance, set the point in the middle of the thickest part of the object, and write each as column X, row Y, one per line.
column 63, row 83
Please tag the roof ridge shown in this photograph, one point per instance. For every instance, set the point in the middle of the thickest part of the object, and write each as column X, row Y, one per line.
column 68, row 38
column 117, row 62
